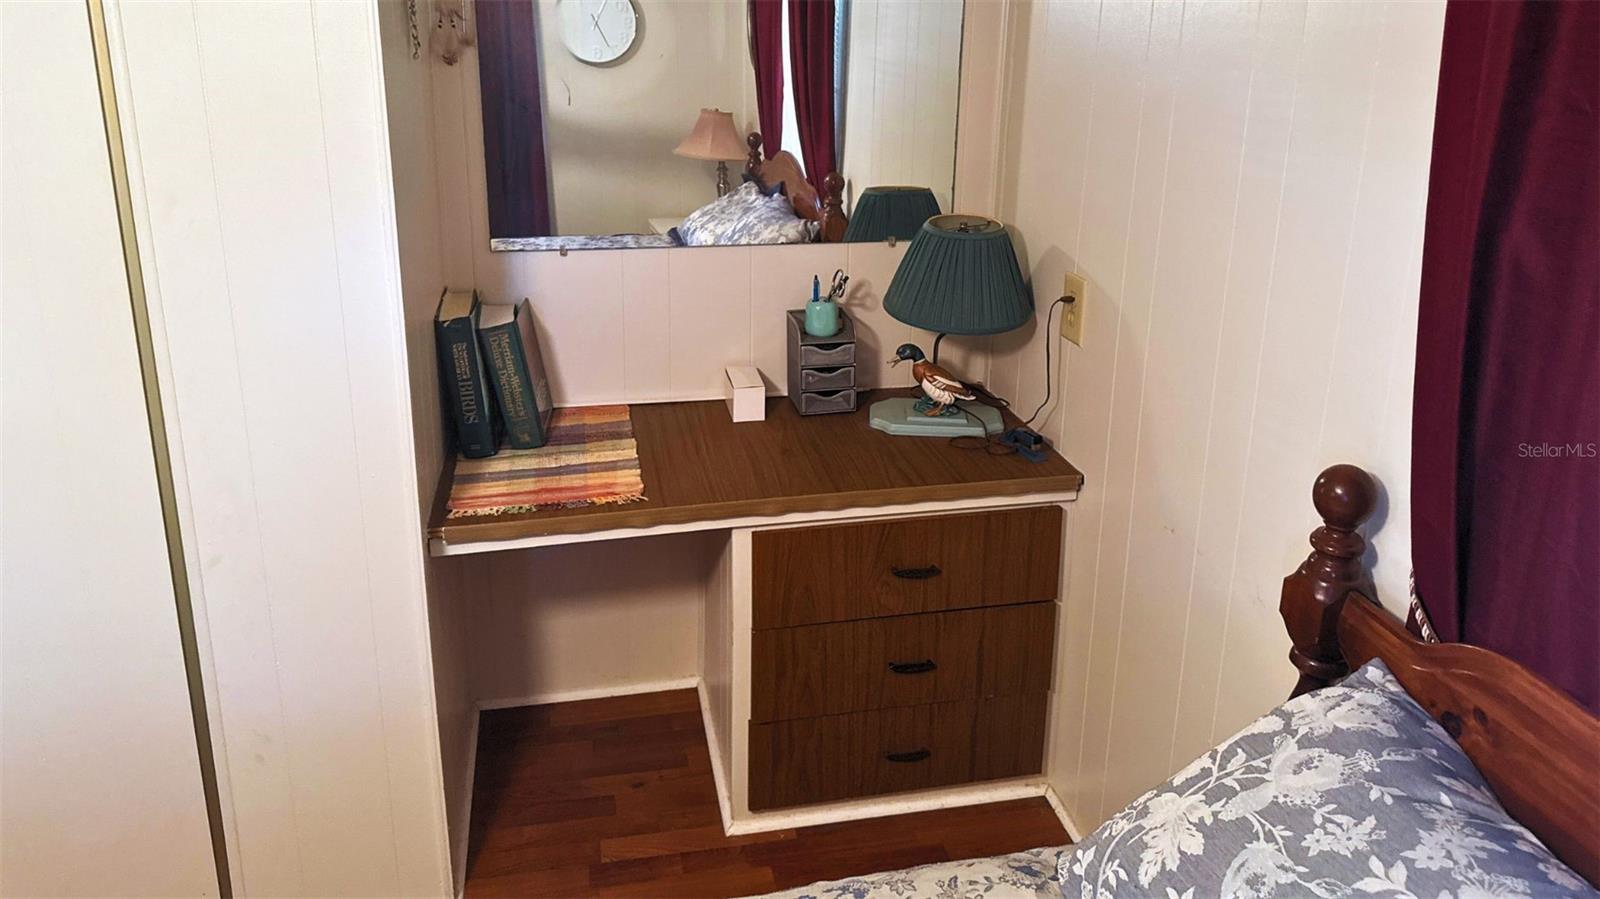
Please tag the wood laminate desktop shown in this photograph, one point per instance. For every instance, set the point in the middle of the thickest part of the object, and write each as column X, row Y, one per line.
column 702, row 470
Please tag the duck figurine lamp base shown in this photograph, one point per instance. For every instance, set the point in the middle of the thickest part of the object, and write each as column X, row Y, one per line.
column 946, row 408
column 959, row 276
column 900, row 416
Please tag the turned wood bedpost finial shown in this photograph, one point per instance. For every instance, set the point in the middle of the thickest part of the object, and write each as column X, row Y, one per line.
column 752, row 162
column 833, row 191
column 833, row 220
column 1344, row 496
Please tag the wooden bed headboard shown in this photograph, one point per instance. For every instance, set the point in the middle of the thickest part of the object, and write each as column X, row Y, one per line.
column 827, row 211
column 1536, row 746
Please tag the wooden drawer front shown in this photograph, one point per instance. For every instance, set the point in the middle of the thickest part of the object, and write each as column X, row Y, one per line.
column 904, row 566
column 894, row 750
column 879, row 663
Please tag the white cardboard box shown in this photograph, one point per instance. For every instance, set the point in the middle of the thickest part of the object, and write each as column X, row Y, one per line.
column 746, row 393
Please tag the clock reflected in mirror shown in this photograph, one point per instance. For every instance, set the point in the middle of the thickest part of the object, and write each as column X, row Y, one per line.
column 598, row 31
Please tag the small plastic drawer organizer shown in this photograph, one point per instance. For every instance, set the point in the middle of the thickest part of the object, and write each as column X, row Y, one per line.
column 822, row 370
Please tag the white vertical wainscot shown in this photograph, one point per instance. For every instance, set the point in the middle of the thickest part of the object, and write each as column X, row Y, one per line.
column 263, row 193
column 647, row 325
column 99, row 771
column 1265, row 236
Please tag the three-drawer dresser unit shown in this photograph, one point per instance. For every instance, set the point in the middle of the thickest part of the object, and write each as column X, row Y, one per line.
column 885, row 656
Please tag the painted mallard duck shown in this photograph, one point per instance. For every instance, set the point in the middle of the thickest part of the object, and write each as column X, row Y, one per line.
column 940, row 387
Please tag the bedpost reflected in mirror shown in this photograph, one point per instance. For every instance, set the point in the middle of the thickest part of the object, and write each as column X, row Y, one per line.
column 661, row 123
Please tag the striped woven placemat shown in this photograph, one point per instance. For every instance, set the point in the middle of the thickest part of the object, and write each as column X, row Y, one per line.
column 591, row 459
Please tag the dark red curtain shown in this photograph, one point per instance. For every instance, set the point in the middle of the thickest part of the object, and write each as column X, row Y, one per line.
column 766, row 57
column 514, row 163
column 1505, row 474
column 811, row 62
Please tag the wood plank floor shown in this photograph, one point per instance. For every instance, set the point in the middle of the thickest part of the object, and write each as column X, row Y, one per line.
column 614, row 797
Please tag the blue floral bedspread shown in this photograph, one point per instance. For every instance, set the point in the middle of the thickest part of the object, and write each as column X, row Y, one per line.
column 581, row 242
column 1347, row 792
column 1021, row 875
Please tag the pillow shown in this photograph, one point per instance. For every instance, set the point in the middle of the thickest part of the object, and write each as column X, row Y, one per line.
column 1348, row 791
column 744, row 216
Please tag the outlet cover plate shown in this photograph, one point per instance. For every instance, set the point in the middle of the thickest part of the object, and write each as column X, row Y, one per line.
column 1072, row 314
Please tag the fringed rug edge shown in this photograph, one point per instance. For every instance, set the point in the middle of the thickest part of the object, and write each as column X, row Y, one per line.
column 619, row 500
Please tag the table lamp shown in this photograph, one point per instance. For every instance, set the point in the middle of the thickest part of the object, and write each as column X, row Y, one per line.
column 885, row 212
column 714, row 138
column 959, row 276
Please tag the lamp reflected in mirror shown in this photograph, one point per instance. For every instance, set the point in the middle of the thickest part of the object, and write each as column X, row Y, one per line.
column 714, row 138
column 890, row 213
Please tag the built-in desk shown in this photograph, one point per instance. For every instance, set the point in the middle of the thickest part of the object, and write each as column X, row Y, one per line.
column 878, row 621
column 703, row 471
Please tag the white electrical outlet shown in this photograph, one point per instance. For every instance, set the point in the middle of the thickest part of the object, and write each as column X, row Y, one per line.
column 1077, row 292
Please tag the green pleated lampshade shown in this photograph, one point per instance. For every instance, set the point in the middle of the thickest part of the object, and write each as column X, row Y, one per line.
column 885, row 212
column 960, row 276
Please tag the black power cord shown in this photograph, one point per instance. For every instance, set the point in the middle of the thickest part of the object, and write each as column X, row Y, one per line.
column 1000, row 445
column 1049, row 381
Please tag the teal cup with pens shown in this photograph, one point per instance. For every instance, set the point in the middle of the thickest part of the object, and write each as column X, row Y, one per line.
column 822, row 313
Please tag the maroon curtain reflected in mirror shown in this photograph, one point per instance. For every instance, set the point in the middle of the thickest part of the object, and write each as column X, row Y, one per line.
column 514, row 164
column 811, row 63
column 1506, row 428
column 766, row 58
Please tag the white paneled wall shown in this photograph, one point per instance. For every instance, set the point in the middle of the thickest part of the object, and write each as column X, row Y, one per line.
column 568, row 620
column 1243, row 186
column 655, row 325
column 99, row 772
column 267, row 228
column 652, row 325
column 408, row 96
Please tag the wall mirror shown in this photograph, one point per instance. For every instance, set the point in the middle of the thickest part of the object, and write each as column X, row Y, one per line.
column 662, row 123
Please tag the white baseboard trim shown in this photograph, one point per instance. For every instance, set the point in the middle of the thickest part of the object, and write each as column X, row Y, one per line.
column 682, row 683
column 1067, row 824
column 719, row 777
column 856, row 810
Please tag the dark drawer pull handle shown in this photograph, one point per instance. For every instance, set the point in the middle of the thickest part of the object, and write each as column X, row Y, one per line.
column 916, row 574
column 913, row 667
column 917, row 756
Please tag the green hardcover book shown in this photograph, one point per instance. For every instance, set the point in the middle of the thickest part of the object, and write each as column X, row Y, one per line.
column 511, row 347
column 462, row 376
